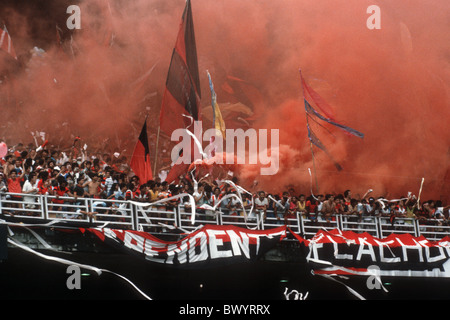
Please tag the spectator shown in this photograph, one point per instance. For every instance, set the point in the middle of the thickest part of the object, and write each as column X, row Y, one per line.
column 312, row 204
column 293, row 207
column 301, row 205
column 14, row 186
column 281, row 208
column 30, row 187
column 261, row 204
column 94, row 186
column 98, row 175
column 329, row 208
column 108, row 183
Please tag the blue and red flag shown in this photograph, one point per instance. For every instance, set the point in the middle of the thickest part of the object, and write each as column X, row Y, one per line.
column 312, row 113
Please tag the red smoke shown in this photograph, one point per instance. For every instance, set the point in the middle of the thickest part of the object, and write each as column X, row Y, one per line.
column 391, row 84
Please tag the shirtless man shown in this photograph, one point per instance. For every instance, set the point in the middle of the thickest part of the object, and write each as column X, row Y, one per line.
column 329, row 207
column 94, row 186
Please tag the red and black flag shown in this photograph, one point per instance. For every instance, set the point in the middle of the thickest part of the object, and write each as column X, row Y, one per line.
column 140, row 161
column 182, row 93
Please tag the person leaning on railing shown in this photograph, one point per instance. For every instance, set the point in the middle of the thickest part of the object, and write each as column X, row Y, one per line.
column 30, row 187
column 442, row 214
column 430, row 209
column 261, row 204
column 328, row 208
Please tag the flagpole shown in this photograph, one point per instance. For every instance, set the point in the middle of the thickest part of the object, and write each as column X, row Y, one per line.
column 156, row 151
column 312, row 156
column 310, row 143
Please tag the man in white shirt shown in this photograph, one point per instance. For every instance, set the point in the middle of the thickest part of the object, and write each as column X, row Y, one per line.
column 108, row 183
column 261, row 204
column 30, row 187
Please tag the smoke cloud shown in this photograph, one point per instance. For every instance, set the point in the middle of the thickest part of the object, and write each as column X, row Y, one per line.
column 391, row 84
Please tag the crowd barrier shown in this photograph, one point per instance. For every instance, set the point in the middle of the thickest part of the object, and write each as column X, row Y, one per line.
column 166, row 218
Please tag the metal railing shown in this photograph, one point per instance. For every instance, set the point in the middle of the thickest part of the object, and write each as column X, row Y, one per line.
column 164, row 219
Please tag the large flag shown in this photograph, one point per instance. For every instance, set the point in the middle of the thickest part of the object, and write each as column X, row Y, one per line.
column 315, row 141
column 182, row 93
column 140, row 161
column 309, row 93
column 311, row 111
column 6, row 42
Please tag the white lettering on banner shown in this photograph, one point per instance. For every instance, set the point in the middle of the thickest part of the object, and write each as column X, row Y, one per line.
column 239, row 243
column 381, row 246
column 198, row 247
column 255, row 236
column 439, row 257
column 172, row 249
column 313, row 254
column 182, row 258
column 203, row 255
column 336, row 252
column 382, row 254
column 405, row 247
column 361, row 251
column 215, row 242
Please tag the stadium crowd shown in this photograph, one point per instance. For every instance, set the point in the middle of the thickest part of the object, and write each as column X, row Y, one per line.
column 30, row 171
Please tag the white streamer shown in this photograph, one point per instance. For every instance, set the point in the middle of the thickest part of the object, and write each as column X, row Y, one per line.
column 310, row 176
column 181, row 195
column 68, row 262
column 420, row 191
column 239, row 190
column 199, row 145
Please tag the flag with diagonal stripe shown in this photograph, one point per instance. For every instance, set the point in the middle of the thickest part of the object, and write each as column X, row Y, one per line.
column 182, row 92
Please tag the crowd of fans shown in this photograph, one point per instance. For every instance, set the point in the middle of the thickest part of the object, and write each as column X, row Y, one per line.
column 26, row 171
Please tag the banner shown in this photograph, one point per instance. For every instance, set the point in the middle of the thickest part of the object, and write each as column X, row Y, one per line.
column 347, row 253
column 209, row 243
column 328, row 253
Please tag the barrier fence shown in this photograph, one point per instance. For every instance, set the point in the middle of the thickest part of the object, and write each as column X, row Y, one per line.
column 164, row 219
